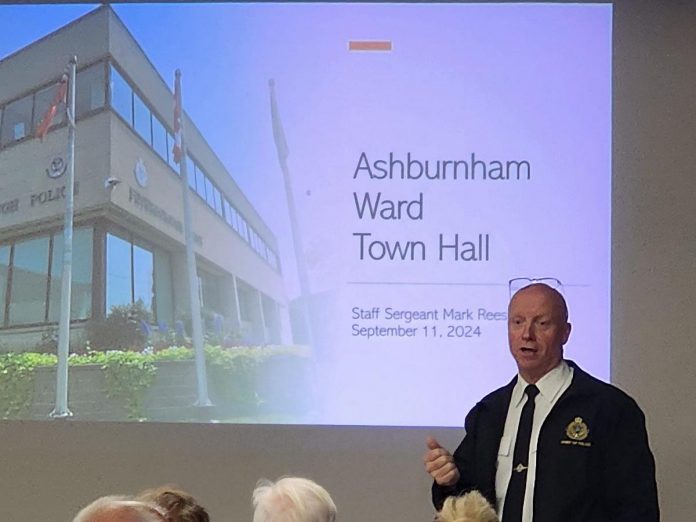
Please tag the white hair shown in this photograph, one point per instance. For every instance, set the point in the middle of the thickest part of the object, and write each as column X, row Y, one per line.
column 471, row 507
column 292, row 499
column 122, row 506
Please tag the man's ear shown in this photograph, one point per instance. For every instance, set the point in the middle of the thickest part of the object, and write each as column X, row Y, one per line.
column 566, row 334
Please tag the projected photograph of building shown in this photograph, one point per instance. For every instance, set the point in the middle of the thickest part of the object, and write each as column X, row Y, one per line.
column 128, row 237
column 128, row 242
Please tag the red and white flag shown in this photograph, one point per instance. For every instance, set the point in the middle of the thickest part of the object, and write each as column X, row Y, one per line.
column 59, row 99
column 176, row 150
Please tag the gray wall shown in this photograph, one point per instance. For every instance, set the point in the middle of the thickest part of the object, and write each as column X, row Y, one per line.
column 49, row 469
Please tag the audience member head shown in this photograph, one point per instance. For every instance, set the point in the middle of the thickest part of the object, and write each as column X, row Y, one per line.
column 178, row 505
column 120, row 509
column 292, row 499
column 470, row 507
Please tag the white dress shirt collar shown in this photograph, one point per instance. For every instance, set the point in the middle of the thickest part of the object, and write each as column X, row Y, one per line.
column 549, row 385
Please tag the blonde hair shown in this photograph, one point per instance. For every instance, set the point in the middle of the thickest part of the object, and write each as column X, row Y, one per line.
column 292, row 499
column 470, row 507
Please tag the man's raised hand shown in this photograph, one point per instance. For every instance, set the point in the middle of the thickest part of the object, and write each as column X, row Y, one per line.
column 439, row 463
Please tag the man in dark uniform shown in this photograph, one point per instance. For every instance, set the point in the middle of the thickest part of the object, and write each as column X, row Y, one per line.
column 555, row 444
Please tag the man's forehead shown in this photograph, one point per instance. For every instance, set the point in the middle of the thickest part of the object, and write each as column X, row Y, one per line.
column 538, row 296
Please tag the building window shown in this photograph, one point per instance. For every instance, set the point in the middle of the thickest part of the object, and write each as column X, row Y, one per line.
column 89, row 89
column 244, row 229
column 29, row 282
column 119, row 272
column 210, row 292
column 159, row 138
column 247, row 302
column 143, row 276
column 16, row 121
column 209, row 192
column 121, row 96
column 200, row 183
column 141, row 119
column 228, row 212
column 42, row 101
column 129, row 274
column 217, row 199
column 81, row 291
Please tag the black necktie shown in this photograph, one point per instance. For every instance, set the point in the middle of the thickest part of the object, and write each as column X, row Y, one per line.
column 514, row 497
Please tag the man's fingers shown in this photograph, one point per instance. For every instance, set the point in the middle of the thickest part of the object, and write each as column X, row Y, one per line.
column 440, row 463
column 432, row 442
column 449, row 478
column 435, row 454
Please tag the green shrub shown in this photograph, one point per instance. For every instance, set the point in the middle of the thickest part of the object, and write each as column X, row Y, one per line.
column 128, row 375
column 234, row 373
column 121, row 329
column 17, row 380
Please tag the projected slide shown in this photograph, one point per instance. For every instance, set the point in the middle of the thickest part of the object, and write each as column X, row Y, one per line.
column 364, row 181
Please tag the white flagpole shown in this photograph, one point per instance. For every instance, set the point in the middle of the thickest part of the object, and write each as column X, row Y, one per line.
column 61, row 408
column 283, row 152
column 203, row 399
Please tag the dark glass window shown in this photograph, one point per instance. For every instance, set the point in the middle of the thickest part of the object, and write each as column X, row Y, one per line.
column 81, row 292
column 217, row 199
column 228, row 212
column 236, row 221
column 118, row 272
column 143, row 280
column 16, row 120
column 90, row 89
column 210, row 292
column 244, row 228
column 29, row 281
column 159, row 138
column 121, row 96
column 200, row 183
column 141, row 119
column 209, row 192
column 247, row 302
column 42, row 101
column 129, row 273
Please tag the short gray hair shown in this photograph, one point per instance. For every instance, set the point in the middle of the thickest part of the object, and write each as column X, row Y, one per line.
column 292, row 499
column 140, row 511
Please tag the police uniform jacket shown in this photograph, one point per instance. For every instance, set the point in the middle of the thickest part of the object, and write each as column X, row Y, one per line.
column 593, row 459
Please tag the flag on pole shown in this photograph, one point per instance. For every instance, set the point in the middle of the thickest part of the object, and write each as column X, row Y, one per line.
column 50, row 114
column 176, row 150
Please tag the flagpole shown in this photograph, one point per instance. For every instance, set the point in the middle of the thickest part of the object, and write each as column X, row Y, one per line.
column 283, row 152
column 203, row 400
column 61, row 410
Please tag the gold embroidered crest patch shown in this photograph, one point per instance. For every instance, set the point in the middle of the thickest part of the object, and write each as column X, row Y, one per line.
column 577, row 429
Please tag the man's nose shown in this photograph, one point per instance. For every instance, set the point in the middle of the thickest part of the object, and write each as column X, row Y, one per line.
column 528, row 331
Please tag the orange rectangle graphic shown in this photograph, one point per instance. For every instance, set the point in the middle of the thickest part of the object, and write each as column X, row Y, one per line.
column 369, row 45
